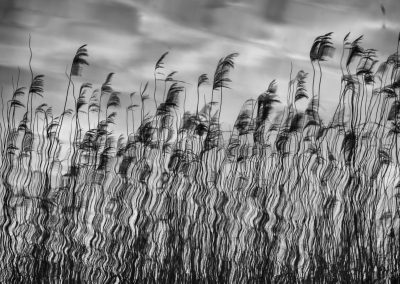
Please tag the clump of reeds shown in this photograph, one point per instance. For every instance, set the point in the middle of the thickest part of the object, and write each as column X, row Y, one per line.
column 286, row 198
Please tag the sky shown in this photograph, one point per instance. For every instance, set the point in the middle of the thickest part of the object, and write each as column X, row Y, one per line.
column 128, row 36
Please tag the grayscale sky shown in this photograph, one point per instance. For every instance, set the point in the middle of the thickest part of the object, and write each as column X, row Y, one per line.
column 128, row 36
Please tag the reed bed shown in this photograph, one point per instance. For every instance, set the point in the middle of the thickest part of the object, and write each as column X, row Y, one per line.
column 284, row 197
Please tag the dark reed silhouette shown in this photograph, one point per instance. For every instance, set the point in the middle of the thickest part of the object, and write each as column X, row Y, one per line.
column 285, row 197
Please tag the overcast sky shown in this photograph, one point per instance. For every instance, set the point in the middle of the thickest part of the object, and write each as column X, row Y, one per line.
column 128, row 36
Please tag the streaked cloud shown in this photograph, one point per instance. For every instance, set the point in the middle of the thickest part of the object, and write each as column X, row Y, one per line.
column 128, row 36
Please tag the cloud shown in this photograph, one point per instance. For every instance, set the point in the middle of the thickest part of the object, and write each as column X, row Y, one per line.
column 9, row 75
column 127, row 37
column 195, row 13
column 273, row 10
column 115, row 16
column 39, row 14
